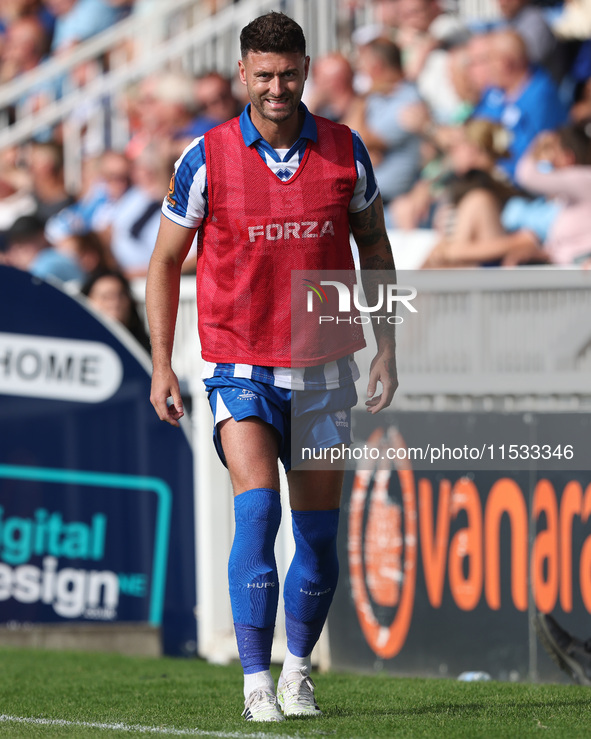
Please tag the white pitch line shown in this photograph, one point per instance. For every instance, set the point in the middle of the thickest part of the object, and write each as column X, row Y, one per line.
column 162, row 730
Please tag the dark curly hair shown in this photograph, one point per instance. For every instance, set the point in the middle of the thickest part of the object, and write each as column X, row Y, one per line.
column 273, row 32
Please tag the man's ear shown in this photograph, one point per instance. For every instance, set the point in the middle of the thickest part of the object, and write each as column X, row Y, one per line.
column 242, row 71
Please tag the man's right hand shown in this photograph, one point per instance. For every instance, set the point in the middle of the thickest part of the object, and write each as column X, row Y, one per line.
column 165, row 385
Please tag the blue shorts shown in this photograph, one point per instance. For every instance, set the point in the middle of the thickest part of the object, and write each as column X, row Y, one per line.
column 312, row 419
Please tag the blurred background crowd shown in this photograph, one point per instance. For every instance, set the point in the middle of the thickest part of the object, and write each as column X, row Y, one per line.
column 479, row 130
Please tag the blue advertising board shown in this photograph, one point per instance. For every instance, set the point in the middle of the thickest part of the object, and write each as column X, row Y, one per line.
column 96, row 494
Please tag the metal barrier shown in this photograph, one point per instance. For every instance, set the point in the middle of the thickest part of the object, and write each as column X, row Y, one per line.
column 483, row 332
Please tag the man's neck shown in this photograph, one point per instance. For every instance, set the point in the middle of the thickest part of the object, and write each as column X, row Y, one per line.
column 281, row 135
column 514, row 89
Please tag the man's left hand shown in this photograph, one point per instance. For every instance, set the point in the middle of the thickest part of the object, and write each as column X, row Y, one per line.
column 383, row 370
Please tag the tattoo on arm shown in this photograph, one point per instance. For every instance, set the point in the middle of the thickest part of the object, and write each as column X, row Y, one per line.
column 370, row 235
column 375, row 258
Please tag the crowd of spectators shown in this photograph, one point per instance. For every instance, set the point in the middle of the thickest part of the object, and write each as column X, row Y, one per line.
column 480, row 131
column 488, row 123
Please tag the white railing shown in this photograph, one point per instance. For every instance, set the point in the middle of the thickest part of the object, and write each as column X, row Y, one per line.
column 178, row 34
column 483, row 332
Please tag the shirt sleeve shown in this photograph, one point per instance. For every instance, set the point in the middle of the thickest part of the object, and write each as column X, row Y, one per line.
column 366, row 187
column 383, row 114
column 186, row 202
column 572, row 183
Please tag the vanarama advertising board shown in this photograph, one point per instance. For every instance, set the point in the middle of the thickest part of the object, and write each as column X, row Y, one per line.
column 466, row 506
column 443, row 570
column 96, row 495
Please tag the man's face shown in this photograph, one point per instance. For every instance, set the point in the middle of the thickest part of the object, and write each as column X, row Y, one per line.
column 479, row 62
column 416, row 14
column 23, row 42
column 215, row 97
column 275, row 83
column 60, row 7
column 510, row 8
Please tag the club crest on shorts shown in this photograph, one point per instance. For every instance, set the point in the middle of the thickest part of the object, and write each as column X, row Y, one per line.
column 247, row 395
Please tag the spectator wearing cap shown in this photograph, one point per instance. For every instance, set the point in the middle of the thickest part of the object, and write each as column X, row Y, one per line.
column 27, row 249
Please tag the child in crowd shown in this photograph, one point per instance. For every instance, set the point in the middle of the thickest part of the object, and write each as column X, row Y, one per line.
column 553, row 228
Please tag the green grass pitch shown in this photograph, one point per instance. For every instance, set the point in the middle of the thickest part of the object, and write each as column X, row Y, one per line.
column 65, row 694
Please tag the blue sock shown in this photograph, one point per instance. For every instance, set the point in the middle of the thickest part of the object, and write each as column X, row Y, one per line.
column 312, row 578
column 252, row 574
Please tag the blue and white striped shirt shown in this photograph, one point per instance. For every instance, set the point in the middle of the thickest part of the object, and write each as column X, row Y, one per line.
column 187, row 207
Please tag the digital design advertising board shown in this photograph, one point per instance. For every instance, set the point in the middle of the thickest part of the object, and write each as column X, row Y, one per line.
column 96, row 494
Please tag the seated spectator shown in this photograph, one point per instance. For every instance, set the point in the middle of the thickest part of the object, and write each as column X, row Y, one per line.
column 104, row 182
column 524, row 99
column 555, row 228
column 46, row 170
column 478, row 236
column 133, row 221
column 15, row 190
column 332, row 91
column 26, row 43
column 110, row 293
column 394, row 150
column 425, row 36
column 558, row 168
column 88, row 251
column 387, row 13
column 12, row 10
column 478, row 145
column 215, row 98
column 166, row 111
column 79, row 20
column 27, row 249
column 581, row 109
column 479, row 66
